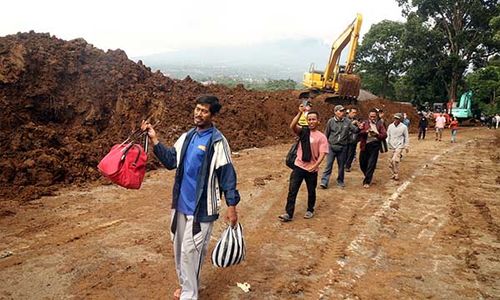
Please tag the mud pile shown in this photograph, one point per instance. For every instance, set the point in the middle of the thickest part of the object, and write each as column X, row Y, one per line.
column 65, row 103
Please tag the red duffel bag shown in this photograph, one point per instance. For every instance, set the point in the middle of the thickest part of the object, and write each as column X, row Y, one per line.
column 125, row 165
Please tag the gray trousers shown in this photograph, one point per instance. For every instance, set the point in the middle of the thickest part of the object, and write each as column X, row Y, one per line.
column 189, row 254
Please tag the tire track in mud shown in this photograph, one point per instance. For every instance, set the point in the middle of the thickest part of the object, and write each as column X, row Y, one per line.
column 364, row 250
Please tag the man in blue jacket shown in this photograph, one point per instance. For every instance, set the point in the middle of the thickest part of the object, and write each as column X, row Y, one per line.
column 204, row 171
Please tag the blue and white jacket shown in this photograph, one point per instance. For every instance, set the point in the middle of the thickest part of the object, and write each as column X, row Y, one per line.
column 217, row 174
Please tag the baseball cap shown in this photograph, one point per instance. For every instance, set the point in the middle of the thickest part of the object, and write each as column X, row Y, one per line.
column 339, row 107
column 398, row 116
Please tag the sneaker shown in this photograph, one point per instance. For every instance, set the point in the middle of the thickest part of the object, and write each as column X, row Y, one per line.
column 366, row 185
column 340, row 184
column 308, row 215
column 323, row 186
column 285, row 218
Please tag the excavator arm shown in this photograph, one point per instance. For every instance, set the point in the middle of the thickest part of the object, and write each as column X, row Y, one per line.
column 337, row 86
column 350, row 37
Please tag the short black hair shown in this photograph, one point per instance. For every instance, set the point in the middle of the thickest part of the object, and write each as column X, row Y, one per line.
column 373, row 110
column 313, row 112
column 213, row 101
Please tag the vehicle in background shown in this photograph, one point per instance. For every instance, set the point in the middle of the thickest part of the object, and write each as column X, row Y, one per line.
column 337, row 84
column 463, row 111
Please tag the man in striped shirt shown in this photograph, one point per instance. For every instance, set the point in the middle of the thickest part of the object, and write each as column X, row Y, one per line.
column 204, row 171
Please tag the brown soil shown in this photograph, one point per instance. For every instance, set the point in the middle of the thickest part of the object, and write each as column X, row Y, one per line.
column 433, row 235
column 64, row 103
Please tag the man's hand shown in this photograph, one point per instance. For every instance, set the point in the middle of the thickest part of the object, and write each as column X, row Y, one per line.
column 312, row 168
column 302, row 108
column 232, row 215
column 151, row 132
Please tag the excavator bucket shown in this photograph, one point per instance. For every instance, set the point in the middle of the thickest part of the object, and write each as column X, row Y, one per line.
column 349, row 86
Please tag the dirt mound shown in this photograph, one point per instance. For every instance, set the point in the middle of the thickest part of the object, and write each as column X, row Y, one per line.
column 64, row 103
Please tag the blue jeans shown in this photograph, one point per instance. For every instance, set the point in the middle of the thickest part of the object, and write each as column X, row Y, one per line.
column 453, row 135
column 341, row 158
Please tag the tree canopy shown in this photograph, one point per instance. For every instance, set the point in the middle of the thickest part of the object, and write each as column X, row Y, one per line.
column 426, row 58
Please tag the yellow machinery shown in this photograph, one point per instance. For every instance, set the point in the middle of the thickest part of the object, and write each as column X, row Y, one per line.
column 337, row 84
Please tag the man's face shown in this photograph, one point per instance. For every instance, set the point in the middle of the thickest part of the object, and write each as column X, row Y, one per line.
column 381, row 114
column 353, row 113
column 202, row 116
column 396, row 121
column 340, row 113
column 312, row 121
column 373, row 116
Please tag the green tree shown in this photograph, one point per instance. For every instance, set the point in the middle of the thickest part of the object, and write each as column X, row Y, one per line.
column 379, row 58
column 464, row 25
column 424, row 74
column 280, row 84
column 485, row 84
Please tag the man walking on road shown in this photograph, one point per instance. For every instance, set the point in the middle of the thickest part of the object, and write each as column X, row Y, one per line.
column 422, row 126
column 397, row 140
column 204, row 171
column 371, row 134
column 305, row 169
column 440, row 123
column 353, row 139
column 337, row 132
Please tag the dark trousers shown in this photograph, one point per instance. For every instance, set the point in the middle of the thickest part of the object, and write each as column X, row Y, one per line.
column 330, row 158
column 351, row 153
column 299, row 174
column 421, row 132
column 368, row 160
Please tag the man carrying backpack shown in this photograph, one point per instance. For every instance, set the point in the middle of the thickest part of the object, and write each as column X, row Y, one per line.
column 306, row 164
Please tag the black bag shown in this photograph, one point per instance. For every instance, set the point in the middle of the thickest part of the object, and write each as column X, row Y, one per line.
column 292, row 155
column 383, row 146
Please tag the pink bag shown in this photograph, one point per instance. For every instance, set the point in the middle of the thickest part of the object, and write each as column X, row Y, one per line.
column 125, row 165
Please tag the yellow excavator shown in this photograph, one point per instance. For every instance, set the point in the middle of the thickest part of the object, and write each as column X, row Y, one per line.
column 337, row 84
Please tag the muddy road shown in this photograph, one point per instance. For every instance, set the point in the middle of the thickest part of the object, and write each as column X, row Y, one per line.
column 435, row 234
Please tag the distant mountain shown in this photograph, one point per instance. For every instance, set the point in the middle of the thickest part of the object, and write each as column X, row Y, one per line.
column 283, row 59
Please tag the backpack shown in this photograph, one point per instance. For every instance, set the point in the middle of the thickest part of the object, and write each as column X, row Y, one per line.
column 292, row 155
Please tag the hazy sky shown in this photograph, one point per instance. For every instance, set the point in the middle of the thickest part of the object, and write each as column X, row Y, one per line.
column 148, row 26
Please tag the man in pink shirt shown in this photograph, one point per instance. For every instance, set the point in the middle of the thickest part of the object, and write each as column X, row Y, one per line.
column 440, row 123
column 306, row 163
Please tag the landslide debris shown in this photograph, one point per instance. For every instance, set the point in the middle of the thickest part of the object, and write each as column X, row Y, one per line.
column 65, row 103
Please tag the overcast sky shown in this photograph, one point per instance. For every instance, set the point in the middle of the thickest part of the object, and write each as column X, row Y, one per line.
column 149, row 26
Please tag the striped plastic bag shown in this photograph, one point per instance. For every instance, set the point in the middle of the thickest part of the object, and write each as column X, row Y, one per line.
column 230, row 249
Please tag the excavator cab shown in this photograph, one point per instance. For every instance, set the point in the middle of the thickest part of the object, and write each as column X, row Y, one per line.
column 337, row 84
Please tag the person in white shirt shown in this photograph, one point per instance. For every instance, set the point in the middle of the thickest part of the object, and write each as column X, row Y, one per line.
column 440, row 123
column 397, row 140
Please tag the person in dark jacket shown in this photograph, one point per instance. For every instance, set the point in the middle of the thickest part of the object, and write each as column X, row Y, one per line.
column 352, row 114
column 372, row 133
column 337, row 132
column 204, row 172
column 422, row 126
